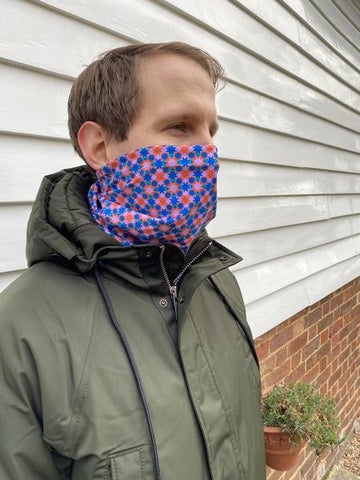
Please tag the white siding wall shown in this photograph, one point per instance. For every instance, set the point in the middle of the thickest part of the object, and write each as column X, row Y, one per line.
column 289, row 185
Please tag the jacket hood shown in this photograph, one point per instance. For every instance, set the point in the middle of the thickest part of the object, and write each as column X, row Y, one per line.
column 61, row 226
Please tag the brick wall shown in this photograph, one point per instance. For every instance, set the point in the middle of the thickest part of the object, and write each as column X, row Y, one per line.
column 321, row 345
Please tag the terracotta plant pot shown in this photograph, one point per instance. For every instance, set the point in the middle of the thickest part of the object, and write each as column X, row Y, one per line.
column 280, row 455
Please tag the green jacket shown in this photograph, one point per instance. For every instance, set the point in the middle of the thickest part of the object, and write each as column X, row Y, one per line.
column 183, row 400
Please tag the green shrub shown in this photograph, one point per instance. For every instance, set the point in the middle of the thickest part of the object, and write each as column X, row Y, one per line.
column 300, row 410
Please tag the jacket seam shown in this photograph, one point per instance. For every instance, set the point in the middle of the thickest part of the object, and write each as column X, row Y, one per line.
column 209, row 441
column 83, row 390
column 142, row 463
column 233, row 437
column 243, row 325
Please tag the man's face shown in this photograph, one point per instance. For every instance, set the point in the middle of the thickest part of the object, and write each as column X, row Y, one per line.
column 177, row 105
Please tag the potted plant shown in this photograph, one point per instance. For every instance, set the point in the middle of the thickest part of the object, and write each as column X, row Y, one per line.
column 293, row 415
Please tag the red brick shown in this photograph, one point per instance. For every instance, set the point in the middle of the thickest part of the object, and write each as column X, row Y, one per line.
column 279, row 374
column 264, row 336
column 312, row 374
column 313, row 317
column 297, row 374
column 312, row 332
column 298, row 326
column 268, row 365
column 334, row 365
column 323, row 388
column 348, row 293
column 298, row 343
column 345, row 330
column 335, row 377
column 353, row 335
column 325, row 322
column 295, row 360
column 347, row 306
column 324, row 363
column 334, row 389
column 343, row 380
column 355, row 312
column 324, row 350
column 344, row 356
column 352, row 354
column 352, row 360
column 281, row 338
column 324, row 337
column 311, row 361
column 336, row 313
column 280, row 356
column 336, row 326
column 311, row 347
column 262, row 349
column 305, row 468
column 336, row 301
column 326, row 308
column 324, row 376
column 335, row 351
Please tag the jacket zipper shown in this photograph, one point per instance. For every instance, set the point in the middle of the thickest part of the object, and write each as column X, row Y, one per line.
column 173, row 294
column 173, row 288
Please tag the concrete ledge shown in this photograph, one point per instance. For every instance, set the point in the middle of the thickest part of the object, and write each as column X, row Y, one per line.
column 338, row 473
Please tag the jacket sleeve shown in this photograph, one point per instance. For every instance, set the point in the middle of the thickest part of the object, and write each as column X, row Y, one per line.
column 23, row 452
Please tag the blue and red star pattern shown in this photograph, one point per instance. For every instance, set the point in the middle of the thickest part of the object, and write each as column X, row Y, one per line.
column 157, row 194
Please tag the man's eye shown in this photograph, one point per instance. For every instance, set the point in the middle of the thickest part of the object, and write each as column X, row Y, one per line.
column 177, row 126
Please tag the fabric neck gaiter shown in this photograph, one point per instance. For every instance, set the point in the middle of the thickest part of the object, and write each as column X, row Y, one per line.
column 157, row 194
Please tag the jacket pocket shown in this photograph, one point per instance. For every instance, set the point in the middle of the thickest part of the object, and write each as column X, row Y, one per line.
column 127, row 465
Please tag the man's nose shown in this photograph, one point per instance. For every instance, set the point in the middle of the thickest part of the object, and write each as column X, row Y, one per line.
column 203, row 137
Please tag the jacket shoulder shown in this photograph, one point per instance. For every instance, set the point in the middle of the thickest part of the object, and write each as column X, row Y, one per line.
column 46, row 310
column 227, row 281
column 227, row 285
column 43, row 291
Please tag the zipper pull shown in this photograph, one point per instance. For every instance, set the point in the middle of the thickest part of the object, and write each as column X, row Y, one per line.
column 173, row 292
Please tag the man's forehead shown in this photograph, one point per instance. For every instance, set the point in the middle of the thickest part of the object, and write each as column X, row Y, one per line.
column 173, row 89
column 172, row 69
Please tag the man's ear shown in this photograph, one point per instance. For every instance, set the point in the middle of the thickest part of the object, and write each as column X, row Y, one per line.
column 93, row 139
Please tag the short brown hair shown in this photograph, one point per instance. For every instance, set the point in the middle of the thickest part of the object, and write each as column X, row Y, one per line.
column 107, row 93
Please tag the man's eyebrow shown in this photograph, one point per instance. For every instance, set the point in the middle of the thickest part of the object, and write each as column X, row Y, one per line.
column 179, row 116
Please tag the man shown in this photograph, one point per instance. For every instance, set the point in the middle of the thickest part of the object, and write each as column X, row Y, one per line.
column 125, row 351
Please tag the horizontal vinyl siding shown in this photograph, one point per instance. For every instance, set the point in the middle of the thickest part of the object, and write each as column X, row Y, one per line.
column 289, row 139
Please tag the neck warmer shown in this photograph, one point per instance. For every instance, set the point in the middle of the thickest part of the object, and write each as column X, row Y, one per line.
column 157, row 194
